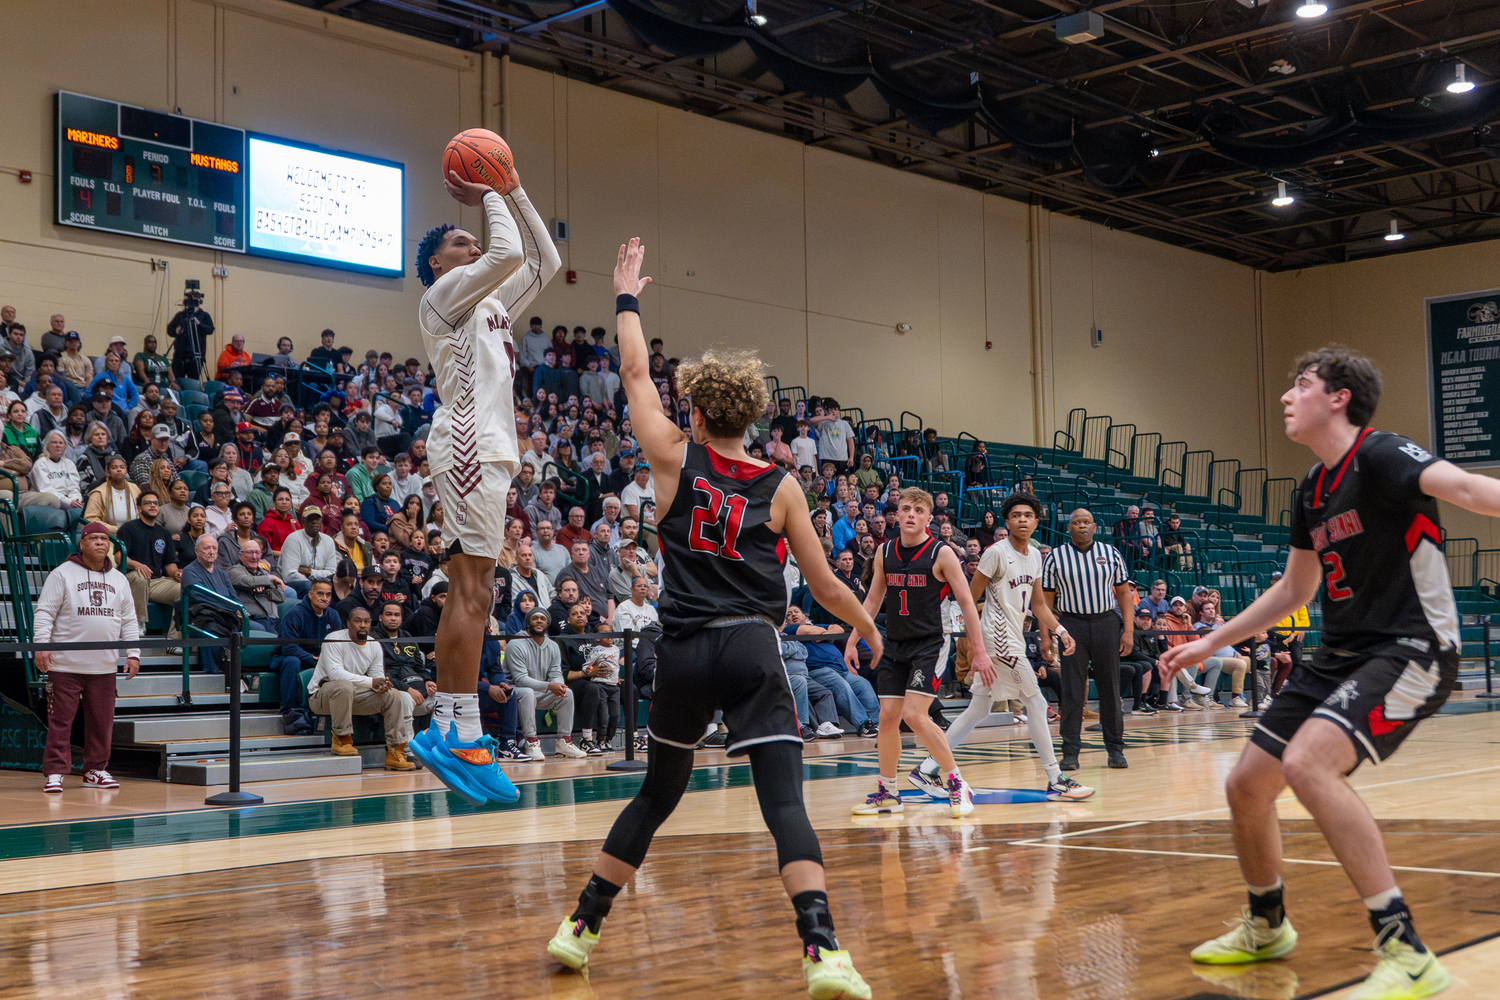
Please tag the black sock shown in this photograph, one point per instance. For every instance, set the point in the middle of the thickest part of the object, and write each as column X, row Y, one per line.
column 1269, row 907
column 1396, row 912
column 594, row 902
column 814, row 922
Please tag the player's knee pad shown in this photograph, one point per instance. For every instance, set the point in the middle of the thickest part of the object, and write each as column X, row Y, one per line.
column 667, row 773
column 777, row 770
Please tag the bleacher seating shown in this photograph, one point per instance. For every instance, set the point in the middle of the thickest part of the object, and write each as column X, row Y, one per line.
column 1235, row 518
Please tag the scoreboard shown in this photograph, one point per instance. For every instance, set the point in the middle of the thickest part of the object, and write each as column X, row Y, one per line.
column 130, row 170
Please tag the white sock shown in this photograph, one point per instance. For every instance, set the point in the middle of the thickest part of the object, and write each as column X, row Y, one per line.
column 588, row 734
column 955, row 774
column 889, row 784
column 929, row 767
column 442, row 712
column 1382, row 900
column 466, row 717
column 1262, row 890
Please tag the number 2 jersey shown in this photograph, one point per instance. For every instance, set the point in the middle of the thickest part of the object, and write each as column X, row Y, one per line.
column 1385, row 580
column 465, row 320
column 720, row 559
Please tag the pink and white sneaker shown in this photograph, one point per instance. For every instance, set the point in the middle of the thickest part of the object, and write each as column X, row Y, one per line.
column 99, row 779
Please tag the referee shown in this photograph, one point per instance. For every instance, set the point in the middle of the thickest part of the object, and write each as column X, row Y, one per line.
column 1086, row 585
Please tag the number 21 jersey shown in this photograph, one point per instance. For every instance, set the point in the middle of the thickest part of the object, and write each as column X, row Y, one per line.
column 720, row 557
column 1376, row 533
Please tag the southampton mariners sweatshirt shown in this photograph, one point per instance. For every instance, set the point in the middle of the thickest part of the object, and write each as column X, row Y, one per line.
column 79, row 605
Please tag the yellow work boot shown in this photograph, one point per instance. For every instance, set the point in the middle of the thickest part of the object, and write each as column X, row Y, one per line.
column 396, row 759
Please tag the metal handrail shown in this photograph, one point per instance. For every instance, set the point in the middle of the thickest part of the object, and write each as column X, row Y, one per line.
column 202, row 593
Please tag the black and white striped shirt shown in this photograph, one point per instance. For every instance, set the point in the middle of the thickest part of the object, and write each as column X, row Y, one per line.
column 1084, row 579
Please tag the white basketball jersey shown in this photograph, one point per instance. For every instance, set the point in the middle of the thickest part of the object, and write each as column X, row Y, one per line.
column 1007, row 599
column 465, row 321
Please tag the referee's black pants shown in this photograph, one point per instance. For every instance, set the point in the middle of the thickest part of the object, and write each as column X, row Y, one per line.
column 1096, row 643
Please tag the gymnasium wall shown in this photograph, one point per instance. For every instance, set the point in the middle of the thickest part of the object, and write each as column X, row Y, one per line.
column 1374, row 305
column 270, row 67
column 811, row 256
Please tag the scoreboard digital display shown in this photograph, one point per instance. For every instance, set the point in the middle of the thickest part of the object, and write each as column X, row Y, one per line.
column 130, row 170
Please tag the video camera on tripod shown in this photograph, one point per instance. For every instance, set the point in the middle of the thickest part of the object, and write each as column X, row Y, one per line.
column 192, row 294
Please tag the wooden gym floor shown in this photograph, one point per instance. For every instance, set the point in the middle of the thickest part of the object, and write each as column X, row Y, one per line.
column 366, row 886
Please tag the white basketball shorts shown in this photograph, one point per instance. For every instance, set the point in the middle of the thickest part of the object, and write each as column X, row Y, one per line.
column 474, row 508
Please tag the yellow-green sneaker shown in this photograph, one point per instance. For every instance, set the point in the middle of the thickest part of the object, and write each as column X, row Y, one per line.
column 1250, row 940
column 572, row 943
column 832, row 977
column 1401, row 972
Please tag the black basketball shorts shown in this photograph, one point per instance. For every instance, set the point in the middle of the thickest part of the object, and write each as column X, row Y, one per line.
column 916, row 665
column 735, row 669
column 1377, row 698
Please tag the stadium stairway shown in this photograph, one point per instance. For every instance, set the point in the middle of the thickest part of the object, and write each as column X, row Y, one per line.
column 188, row 743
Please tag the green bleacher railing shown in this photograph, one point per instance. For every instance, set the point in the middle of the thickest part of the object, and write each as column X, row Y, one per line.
column 1170, row 456
column 1145, row 455
column 1276, row 502
column 1486, row 567
column 1069, row 440
column 1197, row 479
column 569, row 480
column 1461, row 554
column 28, row 561
column 1095, row 444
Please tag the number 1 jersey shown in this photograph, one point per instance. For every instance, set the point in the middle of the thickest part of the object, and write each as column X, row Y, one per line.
column 1385, row 579
column 719, row 557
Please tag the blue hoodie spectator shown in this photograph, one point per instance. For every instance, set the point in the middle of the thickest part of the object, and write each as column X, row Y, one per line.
column 302, row 622
column 126, row 395
column 376, row 513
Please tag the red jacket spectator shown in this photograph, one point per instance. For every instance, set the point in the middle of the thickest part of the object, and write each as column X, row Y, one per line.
column 276, row 526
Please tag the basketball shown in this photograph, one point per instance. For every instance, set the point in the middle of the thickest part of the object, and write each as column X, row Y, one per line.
column 481, row 156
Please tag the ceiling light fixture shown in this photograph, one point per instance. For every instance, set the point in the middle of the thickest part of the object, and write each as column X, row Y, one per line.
column 1312, row 8
column 1395, row 233
column 755, row 17
column 1282, row 199
column 1460, row 84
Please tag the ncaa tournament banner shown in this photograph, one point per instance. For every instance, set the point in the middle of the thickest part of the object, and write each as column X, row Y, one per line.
column 1463, row 374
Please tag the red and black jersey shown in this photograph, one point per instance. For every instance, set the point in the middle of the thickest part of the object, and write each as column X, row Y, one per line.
column 721, row 560
column 1385, row 579
column 913, row 594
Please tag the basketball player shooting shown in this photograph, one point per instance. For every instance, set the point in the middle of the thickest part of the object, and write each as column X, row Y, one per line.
column 1009, row 571
column 914, row 575
column 472, row 451
column 729, row 519
column 1365, row 526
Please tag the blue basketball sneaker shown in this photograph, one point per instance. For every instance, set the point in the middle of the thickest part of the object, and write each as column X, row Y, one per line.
column 470, row 769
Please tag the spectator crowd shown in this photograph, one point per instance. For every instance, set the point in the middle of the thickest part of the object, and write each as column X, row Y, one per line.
column 299, row 490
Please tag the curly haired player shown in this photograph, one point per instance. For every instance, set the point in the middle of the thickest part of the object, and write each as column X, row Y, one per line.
column 729, row 520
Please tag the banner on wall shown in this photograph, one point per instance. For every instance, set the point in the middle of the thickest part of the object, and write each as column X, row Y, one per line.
column 1463, row 375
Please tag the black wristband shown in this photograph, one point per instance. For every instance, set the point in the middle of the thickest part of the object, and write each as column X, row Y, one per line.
column 627, row 303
